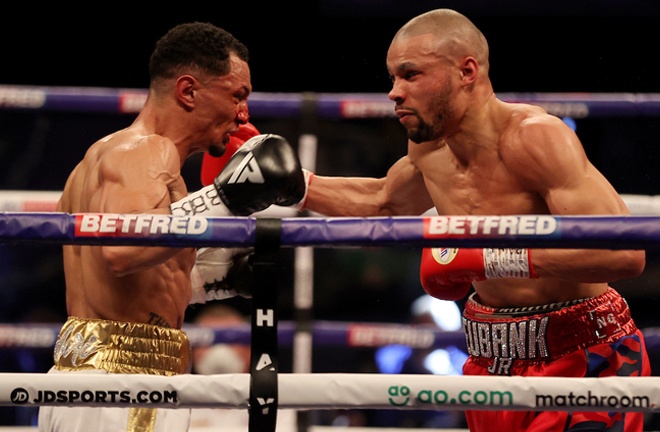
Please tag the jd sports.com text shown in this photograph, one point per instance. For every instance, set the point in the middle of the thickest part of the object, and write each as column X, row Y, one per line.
column 21, row 396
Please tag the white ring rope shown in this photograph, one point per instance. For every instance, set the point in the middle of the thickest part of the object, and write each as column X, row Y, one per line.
column 337, row 391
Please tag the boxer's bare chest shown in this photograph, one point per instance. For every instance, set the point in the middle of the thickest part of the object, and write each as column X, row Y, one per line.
column 484, row 186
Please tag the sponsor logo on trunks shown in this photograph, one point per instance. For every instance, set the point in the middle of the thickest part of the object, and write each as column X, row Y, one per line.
column 460, row 226
column 506, row 341
column 99, row 225
column 76, row 346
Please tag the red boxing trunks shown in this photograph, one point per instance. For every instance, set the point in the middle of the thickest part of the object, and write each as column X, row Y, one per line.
column 594, row 337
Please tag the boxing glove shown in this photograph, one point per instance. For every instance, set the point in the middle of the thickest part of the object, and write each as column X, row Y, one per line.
column 448, row 273
column 221, row 273
column 262, row 172
column 211, row 165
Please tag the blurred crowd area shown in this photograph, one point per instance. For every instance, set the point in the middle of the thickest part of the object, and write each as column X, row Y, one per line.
column 39, row 149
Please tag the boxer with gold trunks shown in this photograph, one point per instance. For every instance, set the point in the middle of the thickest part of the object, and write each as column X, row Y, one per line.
column 127, row 303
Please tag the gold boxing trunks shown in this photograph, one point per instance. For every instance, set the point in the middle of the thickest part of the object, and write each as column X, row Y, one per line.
column 121, row 347
column 124, row 348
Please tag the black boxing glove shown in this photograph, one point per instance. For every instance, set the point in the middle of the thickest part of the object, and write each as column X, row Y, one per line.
column 263, row 171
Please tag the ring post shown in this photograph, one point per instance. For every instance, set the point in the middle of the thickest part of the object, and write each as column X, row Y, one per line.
column 264, row 363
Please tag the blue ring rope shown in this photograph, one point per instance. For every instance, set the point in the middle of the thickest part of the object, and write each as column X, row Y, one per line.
column 542, row 231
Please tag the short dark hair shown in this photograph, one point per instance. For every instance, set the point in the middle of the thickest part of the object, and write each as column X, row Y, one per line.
column 199, row 45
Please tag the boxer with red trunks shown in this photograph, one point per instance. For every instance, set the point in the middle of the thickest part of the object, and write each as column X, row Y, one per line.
column 470, row 153
column 592, row 337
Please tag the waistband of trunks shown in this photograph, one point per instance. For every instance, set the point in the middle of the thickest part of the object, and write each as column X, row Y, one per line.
column 121, row 347
column 548, row 335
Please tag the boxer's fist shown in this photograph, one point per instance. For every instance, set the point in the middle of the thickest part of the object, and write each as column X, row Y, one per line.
column 263, row 171
column 437, row 279
column 211, row 166
column 221, row 273
column 447, row 273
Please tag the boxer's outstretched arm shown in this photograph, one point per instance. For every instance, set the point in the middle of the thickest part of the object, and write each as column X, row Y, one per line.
column 400, row 192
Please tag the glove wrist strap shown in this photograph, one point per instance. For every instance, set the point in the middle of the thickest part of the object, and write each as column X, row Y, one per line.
column 508, row 263
column 205, row 200
column 300, row 205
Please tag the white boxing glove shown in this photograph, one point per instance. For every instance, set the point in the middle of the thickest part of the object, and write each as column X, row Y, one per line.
column 220, row 273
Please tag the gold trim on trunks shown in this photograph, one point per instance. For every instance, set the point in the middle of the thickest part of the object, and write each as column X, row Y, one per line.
column 124, row 348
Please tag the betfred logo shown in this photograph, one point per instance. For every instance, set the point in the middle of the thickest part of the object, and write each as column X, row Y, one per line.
column 365, row 335
column 480, row 226
column 99, row 225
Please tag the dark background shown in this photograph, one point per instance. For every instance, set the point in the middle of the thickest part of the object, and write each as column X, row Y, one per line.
column 340, row 45
column 318, row 46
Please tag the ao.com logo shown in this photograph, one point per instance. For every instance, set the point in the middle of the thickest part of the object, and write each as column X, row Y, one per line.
column 402, row 396
column 20, row 396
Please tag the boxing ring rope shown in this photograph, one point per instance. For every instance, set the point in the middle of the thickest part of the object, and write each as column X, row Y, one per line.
column 324, row 105
column 325, row 333
column 349, row 391
column 545, row 231
column 342, row 391
column 321, row 105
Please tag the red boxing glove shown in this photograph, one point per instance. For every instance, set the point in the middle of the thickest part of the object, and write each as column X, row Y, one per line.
column 448, row 273
column 211, row 166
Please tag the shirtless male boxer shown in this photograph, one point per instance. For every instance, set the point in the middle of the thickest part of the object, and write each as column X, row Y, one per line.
column 538, row 312
column 126, row 304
